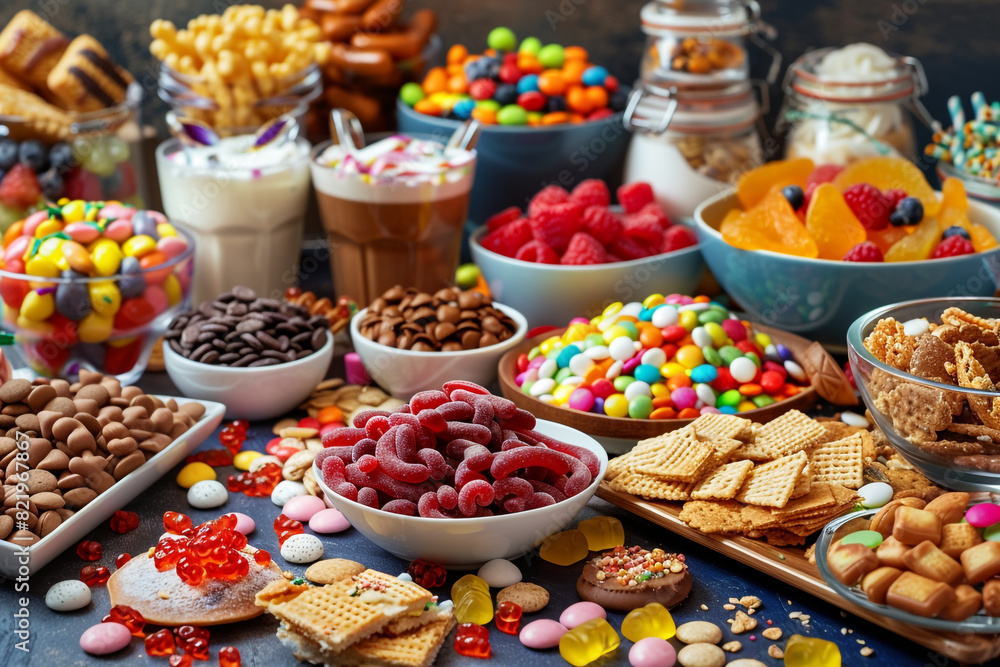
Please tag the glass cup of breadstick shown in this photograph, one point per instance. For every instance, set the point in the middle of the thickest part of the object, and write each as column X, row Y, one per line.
column 237, row 70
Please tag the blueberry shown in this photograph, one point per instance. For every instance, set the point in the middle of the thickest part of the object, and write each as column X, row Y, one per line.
column 794, row 195
column 506, row 93
column 32, row 155
column 619, row 99
column 61, row 156
column 51, row 183
column 555, row 103
column 8, row 153
column 908, row 212
column 955, row 230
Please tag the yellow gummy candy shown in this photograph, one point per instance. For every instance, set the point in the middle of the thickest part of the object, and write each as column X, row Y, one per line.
column 602, row 532
column 565, row 548
column 193, row 473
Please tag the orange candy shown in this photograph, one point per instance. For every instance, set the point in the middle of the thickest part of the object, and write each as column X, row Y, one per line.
column 771, row 225
column 662, row 402
column 573, row 71
column 436, row 81
column 677, row 381
column 593, row 374
column 832, row 224
column 578, row 100
column 457, row 54
column 598, row 97
column 886, row 173
column 483, row 115
column 13, row 232
column 429, row 107
column 457, row 84
column 575, row 53
column 751, row 389
column 663, row 413
column 650, row 337
column 330, row 414
column 529, row 64
column 982, row 239
column 552, row 82
column 754, row 185
column 688, row 413
column 555, row 118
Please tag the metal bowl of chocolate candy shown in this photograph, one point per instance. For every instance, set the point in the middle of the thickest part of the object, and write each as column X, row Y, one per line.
column 259, row 357
column 410, row 341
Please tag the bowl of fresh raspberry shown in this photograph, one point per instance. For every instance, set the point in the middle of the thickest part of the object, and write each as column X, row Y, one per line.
column 809, row 249
column 570, row 254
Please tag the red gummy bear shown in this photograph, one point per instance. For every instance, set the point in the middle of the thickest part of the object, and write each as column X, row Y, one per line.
column 217, row 458
column 427, row 574
column 160, row 643
column 197, row 648
column 175, row 522
column 127, row 616
column 285, row 528
column 473, row 641
column 262, row 558
column 186, row 634
column 508, row 617
column 89, row 550
column 122, row 559
column 229, row 656
column 232, row 439
column 181, row 661
column 122, row 521
column 94, row 575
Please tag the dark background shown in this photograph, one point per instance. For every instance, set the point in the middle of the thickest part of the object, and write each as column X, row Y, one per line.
column 954, row 39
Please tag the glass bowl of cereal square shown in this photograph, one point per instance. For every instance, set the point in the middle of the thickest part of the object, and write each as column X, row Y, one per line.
column 929, row 373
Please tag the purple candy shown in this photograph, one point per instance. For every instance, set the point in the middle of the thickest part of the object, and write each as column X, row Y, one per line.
column 599, row 405
column 784, row 353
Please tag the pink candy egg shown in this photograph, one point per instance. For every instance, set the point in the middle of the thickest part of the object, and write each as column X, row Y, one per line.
column 105, row 638
column 329, row 521
column 244, row 523
column 171, row 246
column 983, row 515
column 118, row 212
column 684, row 397
column 581, row 612
column 652, row 652
column 157, row 298
column 118, row 231
column 32, row 221
column 303, row 508
column 16, row 249
column 543, row 633
column 81, row 232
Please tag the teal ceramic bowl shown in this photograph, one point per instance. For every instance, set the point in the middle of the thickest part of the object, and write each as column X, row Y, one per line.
column 818, row 298
column 516, row 162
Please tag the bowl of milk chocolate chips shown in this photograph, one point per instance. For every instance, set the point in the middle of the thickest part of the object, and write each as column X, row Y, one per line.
column 260, row 357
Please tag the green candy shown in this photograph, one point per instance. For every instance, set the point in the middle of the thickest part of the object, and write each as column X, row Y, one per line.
column 869, row 538
column 731, row 398
column 729, row 354
column 623, row 381
column 562, row 374
column 526, row 387
column 707, row 316
column 467, row 276
column 991, row 533
column 502, row 39
column 551, row 56
column 534, row 353
column 760, row 400
column 752, row 356
column 411, row 93
column 711, row 355
column 640, row 407
column 489, row 105
column 531, row 45
column 512, row 114
column 594, row 339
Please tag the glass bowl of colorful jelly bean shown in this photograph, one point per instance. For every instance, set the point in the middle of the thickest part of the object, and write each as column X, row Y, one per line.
column 93, row 285
column 666, row 358
column 879, row 580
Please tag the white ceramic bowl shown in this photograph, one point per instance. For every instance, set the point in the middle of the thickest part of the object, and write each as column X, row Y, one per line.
column 13, row 562
column 250, row 393
column 553, row 294
column 468, row 543
column 403, row 373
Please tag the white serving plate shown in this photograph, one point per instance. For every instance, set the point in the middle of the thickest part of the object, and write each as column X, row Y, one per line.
column 21, row 561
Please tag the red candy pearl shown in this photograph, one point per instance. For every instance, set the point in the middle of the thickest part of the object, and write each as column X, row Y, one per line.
column 122, row 521
column 127, row 616
column 89, row 550
column 160, row 643
column 122, row 559
column 94, row 575
column 229, row 656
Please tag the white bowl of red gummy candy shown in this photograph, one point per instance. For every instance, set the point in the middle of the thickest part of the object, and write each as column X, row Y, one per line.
column 458, row 476
column 93, row 284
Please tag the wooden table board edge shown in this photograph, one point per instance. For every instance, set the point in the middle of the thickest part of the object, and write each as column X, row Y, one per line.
column 795, row 570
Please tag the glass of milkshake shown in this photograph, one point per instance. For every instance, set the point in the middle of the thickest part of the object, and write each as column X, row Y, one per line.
column 393, row 211
column 246, row 209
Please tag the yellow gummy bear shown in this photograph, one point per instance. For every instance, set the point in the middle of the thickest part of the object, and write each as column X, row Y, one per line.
column 565, row 548
column 602, row 532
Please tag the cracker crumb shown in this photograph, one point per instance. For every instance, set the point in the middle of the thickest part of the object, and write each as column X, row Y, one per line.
column 775, row 652
column 287, row 575
column 795, row 614
column 774, row 634
column 860, row 641
column 734, row 601
column 742, row 623
column 751, row 610
column 163, row 595
column 867, row 651
column 850, row 632
column 729, row 607
column 751, row 601
column 704, row 607
column 843, row 631
column 732, row 647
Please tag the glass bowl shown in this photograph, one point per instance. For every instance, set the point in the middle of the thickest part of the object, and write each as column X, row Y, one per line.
column 59, row 346
column 978, row 623
column 875, row 380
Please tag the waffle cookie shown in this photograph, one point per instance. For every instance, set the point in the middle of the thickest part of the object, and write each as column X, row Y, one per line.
column 8, row 79
column 30, row 48
column 347, row 611
column 86, row 79
column 41, row 120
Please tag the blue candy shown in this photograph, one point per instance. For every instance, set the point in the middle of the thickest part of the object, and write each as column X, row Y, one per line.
column 704, row 373
column 647, row 373
column 785, row 353
column 594, row 76
column 528, row 84
column 463, row 109
column 727, row 410
column 567, row 353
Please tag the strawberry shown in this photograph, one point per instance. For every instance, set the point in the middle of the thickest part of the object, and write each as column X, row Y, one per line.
column 19, row 188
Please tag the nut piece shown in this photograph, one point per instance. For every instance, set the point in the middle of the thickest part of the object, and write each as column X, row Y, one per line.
column 701, row 655
column 750, row 601
column 774, row 634
column 729, row 607
column 742, row 623
column 698, row 632
column 867, row 651
column 732, row 647
column 775, row 652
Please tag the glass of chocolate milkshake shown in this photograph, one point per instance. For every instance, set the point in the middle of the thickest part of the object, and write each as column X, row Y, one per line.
column 393, row 211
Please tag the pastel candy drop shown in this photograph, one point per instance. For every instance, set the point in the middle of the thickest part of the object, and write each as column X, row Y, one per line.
column 811, row 652
column 303, row 508
column 207, row 494
column 95, row 328
column 171, row 246
column 131, row 283
column 875, row 494
column 329, row 521
column 118, row 231
column 983, row 515
column 243, row 459
column 68, row 595
column 156, row 298
column 195, row 472
column 32, row 222
column 543, row 633
column 172, row 288
column 652, row 652
column 41, row 265
column 286, row 490
column 16, row 249
column 869, row 538
column 652, row 620
column 139, row 246
column 302, row 548
column 165, row 229
column 107, row 256
column 499, row 573
column 117, row 212
column 77, row 257
column 105, row 638
column 602, row 533
column 588, row 642
column 37, row 307
column 82, row 232
column 144, row 224
column 244, row 524
column 580, row 613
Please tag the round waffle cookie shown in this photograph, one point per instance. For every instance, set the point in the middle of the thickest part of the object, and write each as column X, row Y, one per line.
column 630, row 577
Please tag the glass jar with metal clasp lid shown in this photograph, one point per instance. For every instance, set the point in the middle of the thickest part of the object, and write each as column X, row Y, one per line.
column 853, row 102
column 690, row 144
column 703, row 42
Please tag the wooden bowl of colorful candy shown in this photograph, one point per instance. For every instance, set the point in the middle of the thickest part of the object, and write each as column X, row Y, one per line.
column 642, row 369
column 809, row 248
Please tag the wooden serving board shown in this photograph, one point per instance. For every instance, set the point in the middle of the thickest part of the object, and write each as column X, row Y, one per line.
column 789, row 564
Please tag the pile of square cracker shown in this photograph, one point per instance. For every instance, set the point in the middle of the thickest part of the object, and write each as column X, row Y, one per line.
column 783, row 480
column 359, row 617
